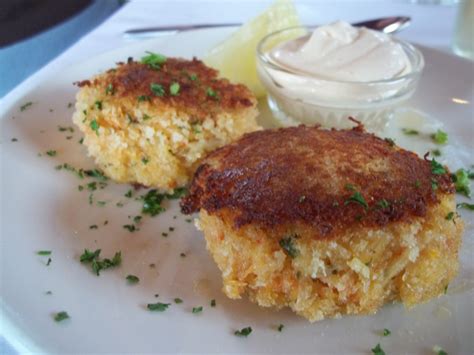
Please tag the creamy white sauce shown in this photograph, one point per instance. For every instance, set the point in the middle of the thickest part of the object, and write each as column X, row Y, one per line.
column 339, row 51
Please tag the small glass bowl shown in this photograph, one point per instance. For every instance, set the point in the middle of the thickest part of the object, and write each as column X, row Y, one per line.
column 301, row 98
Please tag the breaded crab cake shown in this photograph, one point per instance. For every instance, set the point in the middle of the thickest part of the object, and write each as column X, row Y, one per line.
column 326, row 222
column 150, row 122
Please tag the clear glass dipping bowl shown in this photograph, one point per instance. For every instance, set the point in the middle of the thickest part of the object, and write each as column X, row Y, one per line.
column 301, row 98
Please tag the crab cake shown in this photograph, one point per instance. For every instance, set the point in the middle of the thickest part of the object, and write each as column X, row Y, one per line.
column 150, row 122
column 326, row 222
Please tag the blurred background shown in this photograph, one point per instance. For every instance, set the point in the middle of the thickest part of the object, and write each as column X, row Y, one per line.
column 32, row 32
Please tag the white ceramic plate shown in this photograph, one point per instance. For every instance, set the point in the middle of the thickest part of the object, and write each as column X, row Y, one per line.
column 41, row 208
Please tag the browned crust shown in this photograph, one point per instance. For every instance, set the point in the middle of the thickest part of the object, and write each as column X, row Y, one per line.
column 133, row 79
column 299, row 175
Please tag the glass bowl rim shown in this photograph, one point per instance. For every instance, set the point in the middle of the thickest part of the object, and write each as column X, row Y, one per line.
column 417, row 64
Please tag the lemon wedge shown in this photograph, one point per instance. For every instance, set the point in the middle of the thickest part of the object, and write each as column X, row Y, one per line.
column 235, row 57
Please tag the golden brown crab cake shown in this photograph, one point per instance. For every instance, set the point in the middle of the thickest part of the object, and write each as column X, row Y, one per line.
column 150, row 122
column 326, row 222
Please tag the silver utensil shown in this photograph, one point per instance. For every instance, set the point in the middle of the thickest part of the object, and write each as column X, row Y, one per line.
column 386, row 25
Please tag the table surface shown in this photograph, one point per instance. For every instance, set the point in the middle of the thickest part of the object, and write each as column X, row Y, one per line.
column 432, row 25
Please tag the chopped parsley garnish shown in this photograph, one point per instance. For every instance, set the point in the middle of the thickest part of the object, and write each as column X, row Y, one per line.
column 461, row 182
column 193, row 77
column 440, row 137
column 98, row 104
column 132, row 279
column 183, row 255
column 128, row 194
column 142, row 98
column 94, row 125
column 197, row 309
column 449, row 216
column 94, row 226
column 130, row 227
column 211, row 93
column 383, row 204
column 65, row 129
column 145, row 160
column 410, row 132
column 146, row 117
column 467, row 206
column 152, row 203
column 154, row 60
column 378, row 350
column 48, row 262
column 25, row 106
column 98, row 265
column 446, row 289
column 137, row 219
column 244, row 332
column 439, row 351
column 157, row 89
column 164, row 234
column 280, row 327
column 110, row 89
column 188, row 220
column 44, row 252
column 357, row 198
column 92, row 186
column 436, row 152
column 174, row 89
column 178, row 300
column 51, row 153
column 60, row 316
column 96, row 173
column 386, row 332
column 437, row 168
column 289, row 247
column 213, row 303
column 177, row 193
column 158, row 307
column 390, row 141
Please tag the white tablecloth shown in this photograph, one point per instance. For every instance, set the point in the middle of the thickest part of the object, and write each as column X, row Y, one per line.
column 432, row 25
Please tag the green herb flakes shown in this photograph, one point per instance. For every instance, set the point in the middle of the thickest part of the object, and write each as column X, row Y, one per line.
column 357, row 198
column 386, row 332
column 132, row 279
column 440, row 137
column 183, row 255
column 60, row 316
column 66, row 129
column 280, row 327
column 410, row 132
column 145, row 161
column 438, row 350
column 158, row 307
column 109, row 90
column 96, row 173
column 383, row 204
column 449, row 216
column 142, row 98
column 96, row 264
column 98, row 104
column 244, row 332
column 288, row 246
column 465, row 205
column 211, row 93
column 51, row 153
column 377, row 350
column 94, row 226
column 154, row 60
column 436, row 152
column 197, row 309
column 94, row 125
column 25, row 106
column 69, row 105
column 129, row 193
column 48, row 262
column 157, row 89
column 44, row 252
column 14, row 140
column 390, row 141
column 174, row 89
column 178, row 300
column 130, row 227
column 461, row 182
column 437, row 168
column 213, row 303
